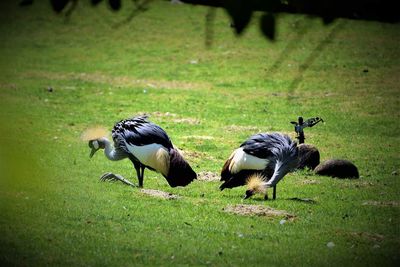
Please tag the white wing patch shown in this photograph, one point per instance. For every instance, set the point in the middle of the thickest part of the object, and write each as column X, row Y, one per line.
column 243, row 161
column 155, row 156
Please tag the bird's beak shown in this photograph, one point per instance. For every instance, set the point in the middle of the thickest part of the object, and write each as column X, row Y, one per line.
column 248, row 194
column 92, row 152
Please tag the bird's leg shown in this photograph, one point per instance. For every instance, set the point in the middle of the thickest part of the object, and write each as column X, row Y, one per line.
column 115, row 177
column 266, row 196
column 141, row 175
column 274, row 192
column 138, row 173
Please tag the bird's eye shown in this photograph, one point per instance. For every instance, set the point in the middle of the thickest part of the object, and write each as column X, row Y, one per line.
column 95, row 144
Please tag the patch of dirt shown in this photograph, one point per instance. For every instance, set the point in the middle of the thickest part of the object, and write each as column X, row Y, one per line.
column 159, row 114
column 381, row 203
column 159, row 193
column 304, row 200
column 310, row 181
column 371, row 237
column 118, row 81
column 191, row 121
column 196, row 155
column 368, row 236
column 258, row 210
column 200, row 137
column 239, row 128
column 363, row 184
column 171, row 117
column 357, row 184
column 208, row 176
column 8, row 86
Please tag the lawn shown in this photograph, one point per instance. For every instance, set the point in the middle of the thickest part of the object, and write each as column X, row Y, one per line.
column 61, row 76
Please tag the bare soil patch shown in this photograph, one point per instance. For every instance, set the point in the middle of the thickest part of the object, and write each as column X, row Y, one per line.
column 208, row 176
column 363, row 184
column 239, row 128
column 368, row 236
column 310, row 181
column 159, row 193
column 304, row 200
column 171, row 117
column 196, row 155
column 381, row 203
column 191, row 121
column 200, row 137
column 357, row 184
column 118, row 81
column 159, row 114
column 257, row 210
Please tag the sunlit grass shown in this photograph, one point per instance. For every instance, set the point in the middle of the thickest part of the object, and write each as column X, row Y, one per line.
column 56, row 212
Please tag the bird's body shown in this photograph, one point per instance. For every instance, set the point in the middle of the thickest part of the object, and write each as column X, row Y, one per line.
column 147, row 145
column 271, row 156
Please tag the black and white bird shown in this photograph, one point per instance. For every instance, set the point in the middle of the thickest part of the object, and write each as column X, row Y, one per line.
column 147, row 145
column 267, row 155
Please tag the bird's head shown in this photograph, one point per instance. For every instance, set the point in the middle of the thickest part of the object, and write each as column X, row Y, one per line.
column 248, row 194
column 96, row 138
column 255, row 184
column 95, row 145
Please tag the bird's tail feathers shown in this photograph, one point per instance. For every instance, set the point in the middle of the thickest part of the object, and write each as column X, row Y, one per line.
column 225, row 172
column 180, row 173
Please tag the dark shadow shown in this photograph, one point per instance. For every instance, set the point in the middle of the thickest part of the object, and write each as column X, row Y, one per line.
column 241, row 11
column 301, row 31
column 316, row 52
column 209, row 34
column 70, row 9
column 140, row 7
column 303, row 200
column 25, row 2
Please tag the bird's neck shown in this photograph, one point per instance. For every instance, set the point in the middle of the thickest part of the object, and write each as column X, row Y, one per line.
column 277, row 175
column 110, row 151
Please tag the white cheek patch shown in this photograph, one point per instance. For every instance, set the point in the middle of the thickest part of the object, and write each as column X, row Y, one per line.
column 95, row 145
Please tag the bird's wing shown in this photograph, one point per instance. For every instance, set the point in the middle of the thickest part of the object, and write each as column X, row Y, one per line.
column 258, row 145
column 139, row 132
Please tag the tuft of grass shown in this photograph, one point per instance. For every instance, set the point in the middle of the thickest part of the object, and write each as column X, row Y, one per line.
column 56, row 212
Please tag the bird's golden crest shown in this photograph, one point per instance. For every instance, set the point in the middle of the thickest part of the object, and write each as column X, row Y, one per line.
column 94, row 133
column 256, row 183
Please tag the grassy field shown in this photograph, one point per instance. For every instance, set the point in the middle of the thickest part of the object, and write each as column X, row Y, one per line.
column 54, row 209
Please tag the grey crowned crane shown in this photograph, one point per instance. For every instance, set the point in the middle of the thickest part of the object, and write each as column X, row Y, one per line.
column 261, row 162
column 147, row 145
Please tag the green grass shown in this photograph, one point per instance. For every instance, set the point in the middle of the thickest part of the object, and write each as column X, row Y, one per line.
column 54, row 210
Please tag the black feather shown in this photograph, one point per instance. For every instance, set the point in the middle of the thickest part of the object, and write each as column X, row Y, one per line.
column 180, row 173
column 262, row 145
column 139, row 132
column 273, row 146
column 239, row 179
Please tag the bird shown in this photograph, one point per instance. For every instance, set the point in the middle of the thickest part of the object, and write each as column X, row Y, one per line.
column 267, row 155
column 146, row 145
